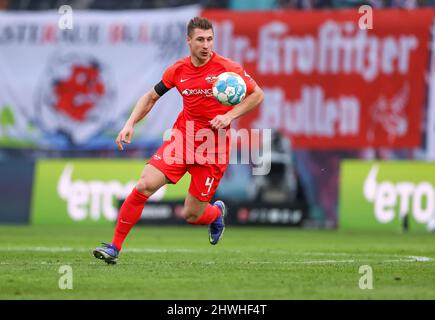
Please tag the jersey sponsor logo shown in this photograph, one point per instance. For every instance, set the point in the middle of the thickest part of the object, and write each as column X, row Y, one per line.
column 191, row 92
column 184, row 80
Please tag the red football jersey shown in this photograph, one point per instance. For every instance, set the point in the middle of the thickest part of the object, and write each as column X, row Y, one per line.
column 195, row 86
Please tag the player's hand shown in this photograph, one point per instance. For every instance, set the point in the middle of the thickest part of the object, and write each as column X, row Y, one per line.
column 124, row 136
column 221, row 121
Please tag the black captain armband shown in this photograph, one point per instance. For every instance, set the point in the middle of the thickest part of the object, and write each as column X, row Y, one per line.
column 160, row 88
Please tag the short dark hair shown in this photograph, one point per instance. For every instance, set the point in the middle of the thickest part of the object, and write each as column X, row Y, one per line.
column 198, row 23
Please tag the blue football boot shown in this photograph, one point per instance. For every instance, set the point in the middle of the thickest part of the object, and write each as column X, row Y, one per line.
column 216, row 228
column 107, row 252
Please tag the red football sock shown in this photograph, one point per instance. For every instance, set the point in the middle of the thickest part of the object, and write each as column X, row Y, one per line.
column 210, row 214
column 129, row 214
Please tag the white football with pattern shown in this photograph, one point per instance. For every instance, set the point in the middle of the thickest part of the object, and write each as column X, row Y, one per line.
column 229, row 89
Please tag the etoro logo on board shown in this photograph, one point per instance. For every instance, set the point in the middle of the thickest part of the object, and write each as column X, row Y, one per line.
column 94, row 199
column 416, row 198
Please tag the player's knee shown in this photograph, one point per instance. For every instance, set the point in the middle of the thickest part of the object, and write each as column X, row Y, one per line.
column 146, row 187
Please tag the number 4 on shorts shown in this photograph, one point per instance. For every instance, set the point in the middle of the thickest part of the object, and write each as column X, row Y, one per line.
column 209, row 183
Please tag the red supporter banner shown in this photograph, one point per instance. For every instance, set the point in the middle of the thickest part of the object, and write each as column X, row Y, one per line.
column 327, row 82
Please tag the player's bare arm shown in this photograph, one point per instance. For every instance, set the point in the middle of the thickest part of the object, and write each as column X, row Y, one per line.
column 249, row 103
column 141, row 109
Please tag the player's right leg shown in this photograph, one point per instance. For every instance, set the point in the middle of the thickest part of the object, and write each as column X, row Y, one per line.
column 150, row 181
column 197, row 211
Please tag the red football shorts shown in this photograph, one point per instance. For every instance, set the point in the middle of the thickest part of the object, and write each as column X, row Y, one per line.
column 205, row 177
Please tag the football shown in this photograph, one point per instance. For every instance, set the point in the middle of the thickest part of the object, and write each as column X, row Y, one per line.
column 229, row 88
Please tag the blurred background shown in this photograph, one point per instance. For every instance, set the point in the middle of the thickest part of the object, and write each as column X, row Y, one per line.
column 348, row 97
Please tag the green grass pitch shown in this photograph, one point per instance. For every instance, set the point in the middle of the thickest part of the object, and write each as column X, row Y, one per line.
column 249, row 263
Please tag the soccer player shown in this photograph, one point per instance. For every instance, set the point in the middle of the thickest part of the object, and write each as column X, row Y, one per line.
column 193, row 77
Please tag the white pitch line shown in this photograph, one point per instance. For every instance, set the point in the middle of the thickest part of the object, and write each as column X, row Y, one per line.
column 401, row 258
column 420, row 259
column 70, row 249
column 40, row 249
column 325, row 261
column 361, row 254
column 43, row 263
column 236, row 262
column 411, row 259
column 298, row 262
column 395, row 257
column 156, row 250
column 324, row 254
column 207, row 262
